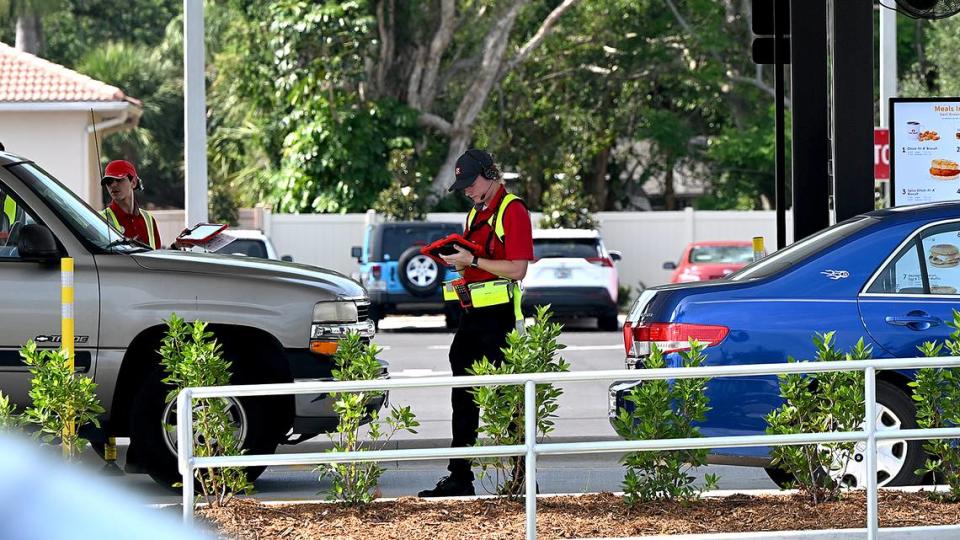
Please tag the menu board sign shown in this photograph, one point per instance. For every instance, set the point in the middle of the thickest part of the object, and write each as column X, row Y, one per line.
column 924, row 150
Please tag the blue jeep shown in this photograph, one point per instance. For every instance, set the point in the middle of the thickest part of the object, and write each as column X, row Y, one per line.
column 398, row 278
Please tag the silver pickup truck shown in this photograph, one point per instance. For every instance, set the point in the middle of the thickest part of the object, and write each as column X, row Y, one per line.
column 268, row 315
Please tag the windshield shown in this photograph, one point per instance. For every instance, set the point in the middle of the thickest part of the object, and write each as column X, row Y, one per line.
column 721, row 254
column 793, row 254
column 575, row 248
column 75, row 213
column 248, row 247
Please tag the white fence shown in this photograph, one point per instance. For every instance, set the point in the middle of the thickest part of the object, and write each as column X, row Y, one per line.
column 188, row 463
column 647, row 239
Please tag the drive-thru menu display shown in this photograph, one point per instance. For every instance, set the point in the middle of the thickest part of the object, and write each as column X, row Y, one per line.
column 924, row 150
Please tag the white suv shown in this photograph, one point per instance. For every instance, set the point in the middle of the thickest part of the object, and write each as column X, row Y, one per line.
column 574, row 273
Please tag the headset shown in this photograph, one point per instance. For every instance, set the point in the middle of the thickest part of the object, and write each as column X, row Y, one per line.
column 490, row 171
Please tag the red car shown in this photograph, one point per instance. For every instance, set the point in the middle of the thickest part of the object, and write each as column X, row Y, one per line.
column 703, row 261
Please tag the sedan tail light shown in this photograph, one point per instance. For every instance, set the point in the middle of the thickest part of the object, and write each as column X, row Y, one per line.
column 669, row 337
column 601, row 261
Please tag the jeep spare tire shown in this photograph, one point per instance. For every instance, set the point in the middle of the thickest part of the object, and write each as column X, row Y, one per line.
column 419, row 274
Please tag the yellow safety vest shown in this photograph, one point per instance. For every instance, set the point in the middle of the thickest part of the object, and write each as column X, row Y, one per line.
column 496, row 220
column 111, row 218
column 10, row 209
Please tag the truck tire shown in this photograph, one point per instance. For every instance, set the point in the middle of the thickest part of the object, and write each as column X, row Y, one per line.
column 418, row 274
column 156, row 448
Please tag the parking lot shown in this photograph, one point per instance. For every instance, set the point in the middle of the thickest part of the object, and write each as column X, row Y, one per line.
column 417, row 347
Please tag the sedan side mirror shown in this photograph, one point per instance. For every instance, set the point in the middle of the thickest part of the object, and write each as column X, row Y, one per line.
column 356, row 252
column 616, row 255
column 669, row 265
column 37, row 244
column 287, row 258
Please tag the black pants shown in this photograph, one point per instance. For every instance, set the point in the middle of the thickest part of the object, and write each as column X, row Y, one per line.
column 482, row 332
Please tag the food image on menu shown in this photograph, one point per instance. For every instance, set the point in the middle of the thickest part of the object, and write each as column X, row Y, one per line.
column 943, row 289
column 929, row 135
column 944, row 169
column 944, row 255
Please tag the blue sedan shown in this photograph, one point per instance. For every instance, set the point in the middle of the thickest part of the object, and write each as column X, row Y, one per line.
column 890, row 276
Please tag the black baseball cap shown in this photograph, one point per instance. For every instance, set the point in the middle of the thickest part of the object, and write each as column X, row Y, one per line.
column 470, row 164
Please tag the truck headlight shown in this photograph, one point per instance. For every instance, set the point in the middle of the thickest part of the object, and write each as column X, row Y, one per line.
column 338, row 311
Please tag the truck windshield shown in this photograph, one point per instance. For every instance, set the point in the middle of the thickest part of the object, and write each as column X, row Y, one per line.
column 75, row 213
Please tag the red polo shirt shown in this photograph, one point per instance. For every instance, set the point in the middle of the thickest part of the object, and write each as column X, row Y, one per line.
column 517, row 242
column 134, row 225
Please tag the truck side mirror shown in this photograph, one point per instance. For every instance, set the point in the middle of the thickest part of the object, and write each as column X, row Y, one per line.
column 287, row 258
column 616, row 255
column 356, row 252
column 669, row 265
column 37, row 244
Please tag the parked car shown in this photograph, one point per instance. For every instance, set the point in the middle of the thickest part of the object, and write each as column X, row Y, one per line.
column 574, row 273
column 276, row 321
column 890, row 276
column 400, row 279
column 703, row 261
column 251, row 243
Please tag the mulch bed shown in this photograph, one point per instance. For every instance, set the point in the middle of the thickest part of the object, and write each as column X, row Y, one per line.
column 600, row 515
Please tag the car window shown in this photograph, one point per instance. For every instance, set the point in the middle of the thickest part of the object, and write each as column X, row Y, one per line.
column 902, row 275
column 246, row 246
column 395, row 239
column 579, row 248
column 794, row 254
column 13, row 216
column 721, row 254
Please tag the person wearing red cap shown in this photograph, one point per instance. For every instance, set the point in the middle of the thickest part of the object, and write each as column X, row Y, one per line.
column 124, row 214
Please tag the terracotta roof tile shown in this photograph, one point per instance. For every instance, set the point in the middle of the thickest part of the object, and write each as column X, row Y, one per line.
column 27, row 78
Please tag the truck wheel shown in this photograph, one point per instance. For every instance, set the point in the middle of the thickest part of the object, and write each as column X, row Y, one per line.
column 418, row 273
column 153, row 430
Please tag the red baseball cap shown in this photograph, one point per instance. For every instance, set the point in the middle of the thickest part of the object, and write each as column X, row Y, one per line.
column 120, row 169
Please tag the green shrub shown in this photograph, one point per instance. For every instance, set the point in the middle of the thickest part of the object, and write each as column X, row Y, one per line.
column 937, row 395
column 502, row 408
column 61, row 399
column 191, row 357
column 356, row 483
column 817, row 403
column 665, row 410
column 9, row 420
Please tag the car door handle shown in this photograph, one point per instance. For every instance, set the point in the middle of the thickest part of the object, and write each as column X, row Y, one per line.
column 914, row 321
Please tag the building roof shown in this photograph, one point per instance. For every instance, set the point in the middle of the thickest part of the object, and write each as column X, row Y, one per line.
column 25, row 78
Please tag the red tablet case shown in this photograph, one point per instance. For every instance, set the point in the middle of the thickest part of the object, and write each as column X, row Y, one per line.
column 444, row 245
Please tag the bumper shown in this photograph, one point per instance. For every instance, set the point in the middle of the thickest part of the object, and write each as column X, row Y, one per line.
column 313, row 413
column 570, row 301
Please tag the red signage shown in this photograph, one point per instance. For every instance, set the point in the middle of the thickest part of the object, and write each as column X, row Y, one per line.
column 881, row 154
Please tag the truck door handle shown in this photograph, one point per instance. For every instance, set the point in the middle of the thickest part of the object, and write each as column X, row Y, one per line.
column 915, row 320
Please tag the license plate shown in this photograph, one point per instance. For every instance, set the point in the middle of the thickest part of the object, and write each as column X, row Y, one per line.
column 561, row 273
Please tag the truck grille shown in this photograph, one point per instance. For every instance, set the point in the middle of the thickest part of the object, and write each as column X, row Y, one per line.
column 363, row 311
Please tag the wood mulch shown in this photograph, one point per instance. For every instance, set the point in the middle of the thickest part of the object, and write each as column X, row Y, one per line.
column 599, row 515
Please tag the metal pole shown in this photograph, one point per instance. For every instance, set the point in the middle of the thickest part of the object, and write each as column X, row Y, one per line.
column 781, row 168
column 888, row 61
column 194, row 115
column 870, row 396
column 530, row 465
column 185, row 450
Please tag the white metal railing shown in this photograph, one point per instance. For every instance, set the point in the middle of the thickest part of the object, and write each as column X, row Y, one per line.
column 188, row 463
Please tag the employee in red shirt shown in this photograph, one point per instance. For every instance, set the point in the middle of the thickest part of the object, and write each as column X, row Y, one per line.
column 500, row 224
column 124, row 214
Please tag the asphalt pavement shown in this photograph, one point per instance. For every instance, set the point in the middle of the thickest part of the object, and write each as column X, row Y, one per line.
column 418, row 347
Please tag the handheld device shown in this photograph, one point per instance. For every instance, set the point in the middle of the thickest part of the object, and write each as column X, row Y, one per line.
column 200, row 234
column 445, row 246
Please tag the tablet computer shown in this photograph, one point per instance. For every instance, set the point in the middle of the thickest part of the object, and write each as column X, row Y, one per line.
column 200, row 233
column 445, row 246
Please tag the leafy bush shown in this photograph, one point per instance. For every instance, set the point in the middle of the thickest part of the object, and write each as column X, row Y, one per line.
column 191, row 357
column 665, row 410
column 9, row 420
column 356, row 483
column 502, row 408
column 816, row 403
column 63, row 401
column 937, row 394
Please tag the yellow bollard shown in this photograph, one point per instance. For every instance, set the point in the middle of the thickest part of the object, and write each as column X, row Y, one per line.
column 759, row 251
column 66, row 327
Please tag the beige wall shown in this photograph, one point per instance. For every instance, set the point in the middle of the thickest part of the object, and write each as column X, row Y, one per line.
column 57, row 141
